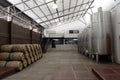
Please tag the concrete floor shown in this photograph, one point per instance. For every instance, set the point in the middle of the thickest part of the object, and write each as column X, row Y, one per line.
column 61, row 63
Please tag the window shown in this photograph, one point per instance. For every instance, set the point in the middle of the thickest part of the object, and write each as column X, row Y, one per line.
column 73, row 31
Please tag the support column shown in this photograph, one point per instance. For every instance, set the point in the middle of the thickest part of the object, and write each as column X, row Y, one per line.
column 10, row 32
column 31, row 37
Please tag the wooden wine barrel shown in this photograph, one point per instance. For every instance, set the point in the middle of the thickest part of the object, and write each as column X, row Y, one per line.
column 15, row 64
column 24, row 62
column 30, row 53
column 28, row 61
column 21, row 48
column 28, row 50
column 32, row 59
column 35, row 57
column 40, row 48
column 15, row 56
column 26, row 55
column 6, row 48
column 33, row 53
column 41, row 55
column 2, row 63
column 36, row 51
column 32, row 49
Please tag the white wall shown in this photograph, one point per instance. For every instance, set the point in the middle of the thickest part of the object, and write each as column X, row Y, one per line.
column 63, row 29
column 67, row 35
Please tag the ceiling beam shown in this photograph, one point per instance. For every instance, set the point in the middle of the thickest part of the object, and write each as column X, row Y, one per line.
column 63, row 16
column 63, row 9
column 80, row 7
column 32, row 8
column 75, row 7
column 18, row 3
column 33, row 12
column 67, row 9
column 3, row 10
column 49, row 9
column 57, row 10
column 70, row 18
column 58, row 14
column 88, row 8
column 41, row 11
column 85, row 8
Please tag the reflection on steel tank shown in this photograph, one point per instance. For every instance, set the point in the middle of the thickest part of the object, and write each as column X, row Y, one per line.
column 101, row 33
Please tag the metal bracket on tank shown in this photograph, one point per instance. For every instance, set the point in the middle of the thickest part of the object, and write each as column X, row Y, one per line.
column 97, row 57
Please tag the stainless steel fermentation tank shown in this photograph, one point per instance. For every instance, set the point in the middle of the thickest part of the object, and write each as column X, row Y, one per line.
column 80, row 42
column 88, row 41
column 101, row 33
column 84, row 43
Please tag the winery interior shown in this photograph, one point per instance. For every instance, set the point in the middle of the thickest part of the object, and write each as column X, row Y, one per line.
column 59, row 39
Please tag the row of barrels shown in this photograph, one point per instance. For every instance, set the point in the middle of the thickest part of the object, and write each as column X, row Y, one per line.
column 19, row 56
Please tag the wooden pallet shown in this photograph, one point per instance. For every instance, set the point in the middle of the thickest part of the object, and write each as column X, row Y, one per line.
column 107, row 73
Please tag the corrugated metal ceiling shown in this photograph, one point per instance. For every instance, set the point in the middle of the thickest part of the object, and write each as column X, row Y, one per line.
column 43, row 13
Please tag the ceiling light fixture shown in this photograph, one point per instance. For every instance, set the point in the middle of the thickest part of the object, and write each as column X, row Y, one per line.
column 55, row 6
column 48, row 0
column 59, row 23
column 56, row 20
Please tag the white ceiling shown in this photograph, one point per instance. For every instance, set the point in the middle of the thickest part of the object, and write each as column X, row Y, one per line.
column 79, row 24
column 64, row 27
column 68, row 12
column 42, row 12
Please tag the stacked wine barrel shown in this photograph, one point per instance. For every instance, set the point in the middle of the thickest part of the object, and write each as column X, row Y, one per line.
column 19, row 56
